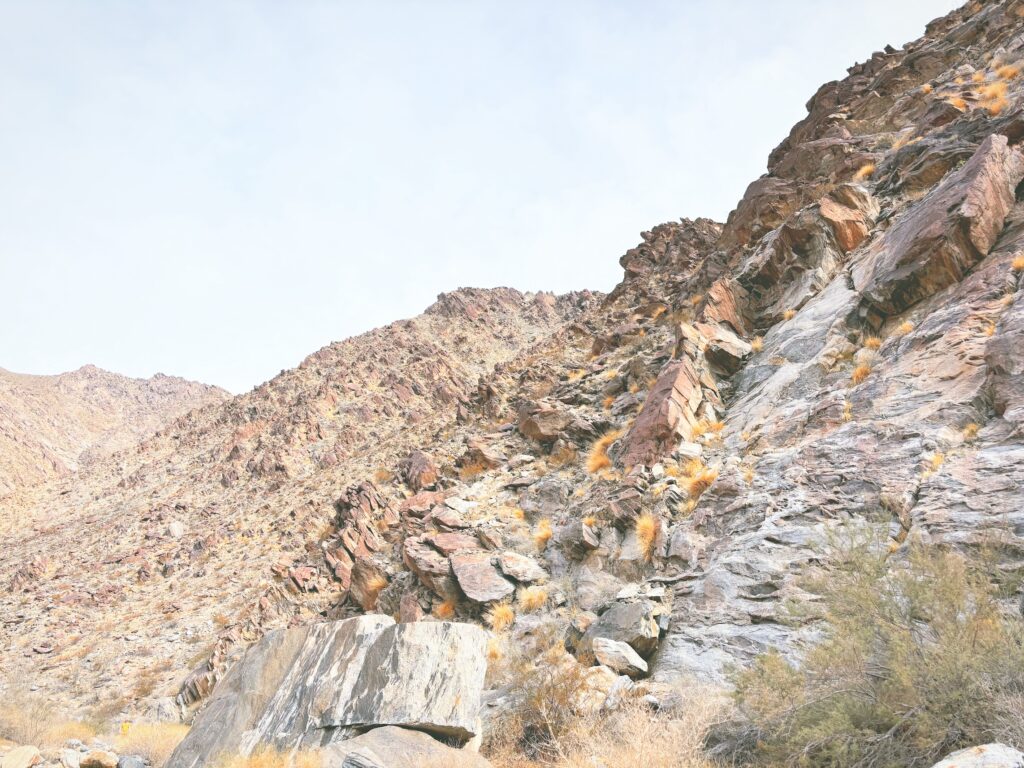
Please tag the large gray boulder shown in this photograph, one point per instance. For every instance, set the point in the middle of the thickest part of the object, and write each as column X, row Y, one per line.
column 311, row 686
column 393, row 747
column 984, row 756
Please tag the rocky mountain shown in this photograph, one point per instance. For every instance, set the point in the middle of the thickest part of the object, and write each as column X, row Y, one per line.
column 51, row 426
column 628, row 491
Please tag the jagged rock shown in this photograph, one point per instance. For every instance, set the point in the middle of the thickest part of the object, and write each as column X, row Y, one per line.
column 520, row 567
column 21, row 757
column 577, row 539
column 313, row 685
column 366, row 583
column 667, row 418
column 543, row 422
column 478, row 578
column 449, row 542
column 618, row 656
column 393, row 747
column 985, row 756
column 725, row 351
column 630, row 623
column 481, row 454
column 418, row 471
column 945, row 235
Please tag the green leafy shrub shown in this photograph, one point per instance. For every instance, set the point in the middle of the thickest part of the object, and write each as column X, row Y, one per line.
column 917, row 660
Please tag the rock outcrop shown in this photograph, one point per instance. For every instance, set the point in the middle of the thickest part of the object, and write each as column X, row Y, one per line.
column 311, row 686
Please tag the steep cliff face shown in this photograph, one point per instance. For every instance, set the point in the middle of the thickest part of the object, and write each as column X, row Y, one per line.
column 645, row 476
column 50, row 426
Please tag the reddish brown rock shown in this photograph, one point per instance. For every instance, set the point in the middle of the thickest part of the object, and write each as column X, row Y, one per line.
column 449, row 542
column 418, row 471
column 667, row 417
column 542, row 422
column 520, row 567
column 479, row 579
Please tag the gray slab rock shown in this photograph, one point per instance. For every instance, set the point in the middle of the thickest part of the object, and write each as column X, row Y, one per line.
column 619, row 657
column 984, row 756
column 310, row 686
column 393, row 747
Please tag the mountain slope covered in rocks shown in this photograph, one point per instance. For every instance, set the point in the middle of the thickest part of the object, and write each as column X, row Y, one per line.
column 50, row 426
column 629, row 491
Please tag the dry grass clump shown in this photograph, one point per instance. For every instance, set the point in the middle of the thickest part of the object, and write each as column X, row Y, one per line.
column 373, row 587
column 789, row 314
column 598, row 457
column 1008, row 71
column 847, row 411
column 500, row 617
column 864, row 172
column 993, row 97
column 26, row 718
column 978, row 77
column 1018, row 264
column 917, row 660
column 957, row 102
column 472, row 469
column 970, row 431
column 757, row 344
column 495, row 652
column 748, row 475
column 927, row 88
column 872, row 342
column 860, row 373
column 153, row 741
column 648, row 529
column 607, row 402
column 271, row 758
column 533, row 598
column 989, row 329
column 700, row 482
column 542, row 534
column 445, row 610
column 383, row 476
column 905, row 327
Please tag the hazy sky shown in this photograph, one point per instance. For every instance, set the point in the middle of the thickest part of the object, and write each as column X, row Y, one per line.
column 217, row 189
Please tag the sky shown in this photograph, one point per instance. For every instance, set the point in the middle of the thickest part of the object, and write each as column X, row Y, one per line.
column 217, row 189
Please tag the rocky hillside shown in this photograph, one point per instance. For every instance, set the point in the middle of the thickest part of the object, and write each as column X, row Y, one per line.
column 630, row 490
column 51, row 426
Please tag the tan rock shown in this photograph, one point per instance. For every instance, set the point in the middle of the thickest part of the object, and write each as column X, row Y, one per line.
column 22, row 757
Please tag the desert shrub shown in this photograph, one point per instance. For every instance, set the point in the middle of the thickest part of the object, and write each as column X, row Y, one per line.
column 648, row 529
column 598, row 458
column 500, row 616
column 153, row 741
column 533, row 598
column 860, row 374
column 271, row 758
column 916, row 660
column 25, row 717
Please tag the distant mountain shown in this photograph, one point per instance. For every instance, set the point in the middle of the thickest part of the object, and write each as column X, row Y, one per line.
column 53, row 425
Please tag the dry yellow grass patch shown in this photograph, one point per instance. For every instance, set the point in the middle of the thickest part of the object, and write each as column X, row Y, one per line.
column 905, row 327
column 607, row 402
column 748, row 475
column 864, row 172
column 1018, row 264
column 993, row 97
column 927, row 88
column 518, row 514
column 937, row 461
column 590, row 520
column 472, row 469
column 789, row 314
column 1008, row 71
column 271, row 758
column 533, row 598
column 716, row 426
column 978, row 77
column 445, row 610
column 696, row 299
column 847, row 411
column 153, row 741
column 757, row 344
column 872, row 342
column 970, row 431
column 495, row 652
column 648, row 528
column 989, row 329
column 598, row 457
column 957, row 102
column 543, row 533
column 500, row 617
column 700, row 482
column 860, row 373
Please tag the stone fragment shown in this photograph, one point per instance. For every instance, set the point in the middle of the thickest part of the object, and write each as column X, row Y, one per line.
column 520, row 567
column 418, row 471
column 478, row 578
column 393, row 747
column 667, row 417
column 631, row 623
column 984, row 756
column 618, row 656
column 542, row 422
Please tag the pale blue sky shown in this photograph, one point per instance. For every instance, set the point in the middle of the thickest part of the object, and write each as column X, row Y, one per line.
column 217, row 189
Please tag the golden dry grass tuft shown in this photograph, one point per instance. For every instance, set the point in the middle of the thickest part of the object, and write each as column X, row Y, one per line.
column 789, row 314
column 542, row 534
column 927, row 88
column 383, row 476
column 864, row 172
column 989, row 329
column 445, row 610
column 970, row 431
column 607, row 402
column 872, row 342
column 1008, row 71
column 533, row 598
column 993, row 97
column 153, row 741
column 978, row 77
column 648, row 529
column 598, row 457
column 860, row 373
column 1018, row 264
column 905, row 327
column 495, row 652
column 271, row 758
column 700, row 482
column 757, row 344
column 847, row 411
column 472, row 469
column 500, row 616
column 590, row 520
column 957, row 102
